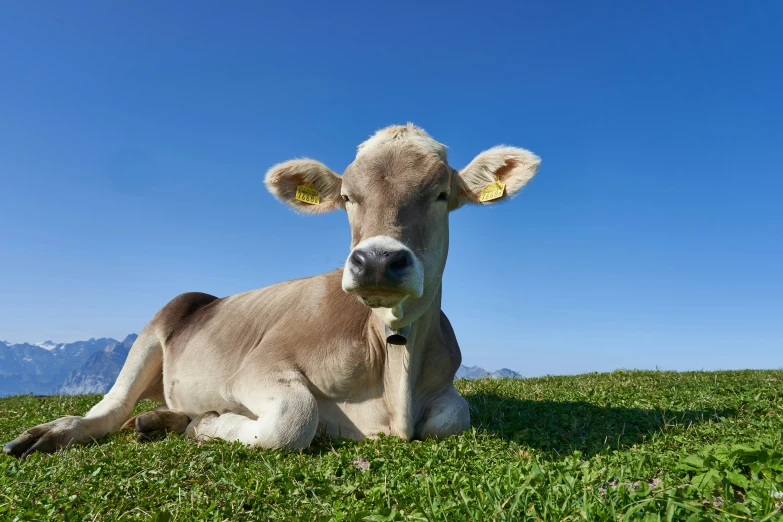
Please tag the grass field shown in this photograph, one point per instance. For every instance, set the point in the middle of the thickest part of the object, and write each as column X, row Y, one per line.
column 619, row 446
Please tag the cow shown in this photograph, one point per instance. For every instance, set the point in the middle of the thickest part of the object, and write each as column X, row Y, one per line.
column 356, row 352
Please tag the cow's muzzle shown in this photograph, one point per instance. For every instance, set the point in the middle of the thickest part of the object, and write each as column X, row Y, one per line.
column 381, row 271
column 381, row 268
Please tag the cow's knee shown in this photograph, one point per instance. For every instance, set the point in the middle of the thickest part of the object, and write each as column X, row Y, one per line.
column 448, row 415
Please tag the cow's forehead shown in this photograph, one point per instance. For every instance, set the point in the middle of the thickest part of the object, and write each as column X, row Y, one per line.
column 400, row 167
column 404, row 158
column 409, row 134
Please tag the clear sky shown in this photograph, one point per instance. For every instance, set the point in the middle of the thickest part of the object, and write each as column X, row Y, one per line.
column 134, row 140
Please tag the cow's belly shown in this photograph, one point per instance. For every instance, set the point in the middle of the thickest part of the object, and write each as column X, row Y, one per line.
column 195, row 397
column 189, row 389
column 354, row 420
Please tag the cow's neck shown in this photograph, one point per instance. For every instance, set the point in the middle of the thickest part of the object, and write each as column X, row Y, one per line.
column 403, row 366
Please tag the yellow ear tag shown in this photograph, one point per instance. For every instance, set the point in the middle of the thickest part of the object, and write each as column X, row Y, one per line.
column 307, row 193
column 493, row 191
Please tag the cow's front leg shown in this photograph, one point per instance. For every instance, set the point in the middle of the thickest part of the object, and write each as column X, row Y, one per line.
column 285, row 410
column 448, row 414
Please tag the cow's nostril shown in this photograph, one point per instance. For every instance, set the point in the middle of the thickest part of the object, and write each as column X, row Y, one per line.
column 398, row 262
column 358, row 262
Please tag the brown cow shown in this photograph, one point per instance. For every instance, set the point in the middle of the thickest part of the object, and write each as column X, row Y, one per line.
column 354, row 352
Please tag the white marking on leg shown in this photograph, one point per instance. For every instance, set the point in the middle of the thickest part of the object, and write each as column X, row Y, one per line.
column 287, row 417
column 142, row 366
column 448, row 415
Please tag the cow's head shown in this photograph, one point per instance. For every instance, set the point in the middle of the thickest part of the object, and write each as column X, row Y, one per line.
column 398, row 193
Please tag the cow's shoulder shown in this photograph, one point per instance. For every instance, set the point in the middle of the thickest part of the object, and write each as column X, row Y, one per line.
column 449, row 344
column 314, row 316
column 442, row 358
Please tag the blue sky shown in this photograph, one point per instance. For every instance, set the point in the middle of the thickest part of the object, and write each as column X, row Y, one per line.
column 134, row 140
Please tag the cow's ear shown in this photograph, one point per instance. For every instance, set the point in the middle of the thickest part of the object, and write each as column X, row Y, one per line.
column 305, row 185
column 496, row 174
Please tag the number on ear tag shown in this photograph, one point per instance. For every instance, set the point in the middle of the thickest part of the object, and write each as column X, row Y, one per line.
column 493, row 191
column 307, row 193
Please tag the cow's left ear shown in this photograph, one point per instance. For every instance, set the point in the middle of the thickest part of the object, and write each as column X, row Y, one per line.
column 305, row 185
column 496, row 174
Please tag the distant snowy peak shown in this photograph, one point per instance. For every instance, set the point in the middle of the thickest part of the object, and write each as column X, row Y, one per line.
column 48, row 345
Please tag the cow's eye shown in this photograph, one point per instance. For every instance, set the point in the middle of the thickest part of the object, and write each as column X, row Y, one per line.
column 345, row 198
column 443, row 196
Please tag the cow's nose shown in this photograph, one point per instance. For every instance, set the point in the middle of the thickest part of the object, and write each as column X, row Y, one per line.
column 379, row 266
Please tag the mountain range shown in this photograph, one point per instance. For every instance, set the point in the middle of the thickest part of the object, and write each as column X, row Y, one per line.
column 44, row 368
column 99, row 372
column 92, row 366
column 477, row 372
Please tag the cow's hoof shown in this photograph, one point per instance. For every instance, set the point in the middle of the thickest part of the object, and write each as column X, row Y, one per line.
column 199, row 428
column 45, row 438
column 156, row 424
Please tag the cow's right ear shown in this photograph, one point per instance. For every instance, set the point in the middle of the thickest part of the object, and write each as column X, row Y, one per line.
column 305, row 185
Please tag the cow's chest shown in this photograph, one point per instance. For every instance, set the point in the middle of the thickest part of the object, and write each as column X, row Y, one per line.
column 355, row 420
column 367, row 418
column 363, row 406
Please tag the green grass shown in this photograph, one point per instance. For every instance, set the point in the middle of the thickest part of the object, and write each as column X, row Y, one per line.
column 619, row 446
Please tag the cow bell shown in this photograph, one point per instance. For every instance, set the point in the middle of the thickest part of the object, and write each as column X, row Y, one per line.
column 398, row 337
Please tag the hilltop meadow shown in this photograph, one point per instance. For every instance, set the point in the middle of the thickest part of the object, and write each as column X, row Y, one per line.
column 627, row 445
